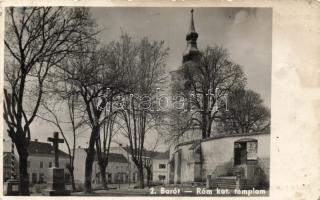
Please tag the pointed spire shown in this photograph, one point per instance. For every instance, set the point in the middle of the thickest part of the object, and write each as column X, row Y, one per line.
column 191, row 52
column 191, row 28
column 192, row 34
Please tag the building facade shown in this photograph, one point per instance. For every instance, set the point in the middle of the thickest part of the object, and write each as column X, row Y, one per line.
column 119, row 169
column 41, row 158
column 160, row 168
column 7, row 166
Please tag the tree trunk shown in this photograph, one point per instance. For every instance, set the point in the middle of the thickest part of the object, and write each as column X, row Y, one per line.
column 141, row 177
column 23, row 176
column 90, row 160
column 88, row 170
column 22, row 149
column 148, row 176
column 102, row 165
column 73, row 184
column 103, row 176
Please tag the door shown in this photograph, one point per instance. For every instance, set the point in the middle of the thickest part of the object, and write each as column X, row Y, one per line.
column 109, row 177
column 243, row 155
column 240, row 153
column 34, row 177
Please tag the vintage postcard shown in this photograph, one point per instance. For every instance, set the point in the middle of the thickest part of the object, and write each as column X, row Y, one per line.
column 190, row 99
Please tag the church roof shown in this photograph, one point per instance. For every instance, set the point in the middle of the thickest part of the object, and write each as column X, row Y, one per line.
column 246, row 140
column 162, row 156
column 117, row 157
column 145, row 152
column 42, row 148
column 219, row 137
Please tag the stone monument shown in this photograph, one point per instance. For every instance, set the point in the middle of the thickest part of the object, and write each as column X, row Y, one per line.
column 12, row 186
column 56, row 182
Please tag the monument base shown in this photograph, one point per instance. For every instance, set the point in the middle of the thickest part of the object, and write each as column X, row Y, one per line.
column 12, row 188
column 56, row 183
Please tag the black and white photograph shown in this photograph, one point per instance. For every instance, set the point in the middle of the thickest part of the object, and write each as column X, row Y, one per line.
column 137, row 101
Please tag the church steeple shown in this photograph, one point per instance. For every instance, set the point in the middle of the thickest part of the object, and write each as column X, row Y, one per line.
column 191, row 52
column 191, row 27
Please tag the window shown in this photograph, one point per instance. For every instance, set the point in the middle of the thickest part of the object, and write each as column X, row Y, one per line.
column 162, row 166
column 28, row 164
column 252, row 150
column 41, row 164
column 162, row 177
column 50, row 164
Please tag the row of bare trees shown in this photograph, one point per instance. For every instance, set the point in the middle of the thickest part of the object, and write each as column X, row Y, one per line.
column 56, row 70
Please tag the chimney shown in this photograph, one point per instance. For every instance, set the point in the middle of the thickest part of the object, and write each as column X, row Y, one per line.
column 36, row 140
column 120, row 144
column 79, row 147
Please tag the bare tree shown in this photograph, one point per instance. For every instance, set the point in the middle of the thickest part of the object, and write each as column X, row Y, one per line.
column 206, row 83
column 139, row 114
column 246, row 113
column 94, row 71
column 103, row 145
column 36, row 39
column 148, row 159
column 53, row 110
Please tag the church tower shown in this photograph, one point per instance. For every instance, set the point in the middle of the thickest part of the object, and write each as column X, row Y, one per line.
column 191, row 53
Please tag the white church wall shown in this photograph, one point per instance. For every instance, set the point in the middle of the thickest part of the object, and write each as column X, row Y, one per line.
column 221, row 151
column 187, row 168
column 218, row 155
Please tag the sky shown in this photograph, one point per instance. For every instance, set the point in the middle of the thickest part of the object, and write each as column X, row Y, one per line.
column 245, row 32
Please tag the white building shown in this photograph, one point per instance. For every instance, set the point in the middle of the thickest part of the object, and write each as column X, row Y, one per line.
column 117, row 170
column 120, row 169
column 160, row 168
column 41, row 157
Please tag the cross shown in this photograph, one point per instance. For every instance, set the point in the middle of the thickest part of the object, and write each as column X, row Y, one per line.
column 55, row 140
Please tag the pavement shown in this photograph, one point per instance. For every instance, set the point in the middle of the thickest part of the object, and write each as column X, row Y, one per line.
column 116, row 190
column 161, row 190
column 167, row 190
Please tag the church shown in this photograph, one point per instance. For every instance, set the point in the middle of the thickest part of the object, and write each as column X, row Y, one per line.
column 227, row 161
